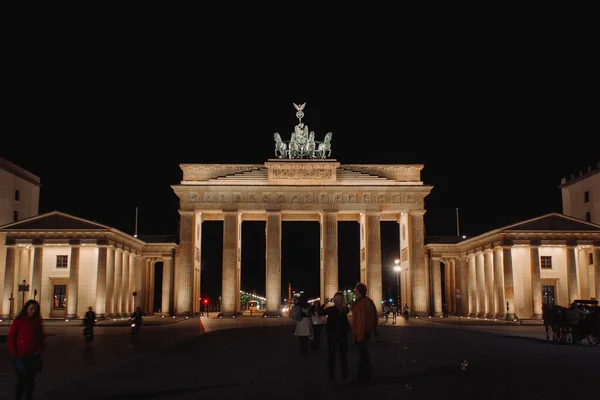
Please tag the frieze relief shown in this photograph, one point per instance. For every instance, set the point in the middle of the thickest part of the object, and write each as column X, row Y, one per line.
column 302, row 173
column 304, row 198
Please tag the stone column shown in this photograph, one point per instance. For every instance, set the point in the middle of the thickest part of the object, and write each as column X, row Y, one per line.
column 572, row 274
column 230, row 260
column 472, row 285
column 584, row 274
column 137, row 285
column 125, row 289
column 536, row 280
column 500, row 309
column 329, row 255
column 453, row 280
column 463, row 284
column 373, row 257
column 420, row 275
column 118, row 282
column 480, row 284
column 101, row 283
column 23, row 274
column 132, row 286
column 167, row 282
column 448, row 284
column 73, row 287
column 110, row 282
column 36, row 276
column 488, row 266
column 9, row 282
column 437, row 286
column 186, row 263
column 197, row 275
column 509, row 288
column 147, row 286
column 273, row 274
column 597, row 270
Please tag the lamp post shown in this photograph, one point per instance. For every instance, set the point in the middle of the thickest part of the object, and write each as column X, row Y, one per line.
column 398, row 268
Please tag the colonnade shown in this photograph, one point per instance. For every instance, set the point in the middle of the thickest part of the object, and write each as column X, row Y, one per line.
column 483, row 281
column 188, row 278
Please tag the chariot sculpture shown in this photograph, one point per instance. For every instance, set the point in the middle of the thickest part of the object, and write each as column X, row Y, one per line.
column 302, row 143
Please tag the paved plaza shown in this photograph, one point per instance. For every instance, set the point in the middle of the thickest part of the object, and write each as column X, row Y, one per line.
column 257, row 358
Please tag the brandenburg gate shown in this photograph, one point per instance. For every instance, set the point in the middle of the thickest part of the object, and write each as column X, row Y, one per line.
column 301, row 184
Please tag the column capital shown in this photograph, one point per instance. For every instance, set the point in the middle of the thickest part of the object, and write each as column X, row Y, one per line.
column 417, row 213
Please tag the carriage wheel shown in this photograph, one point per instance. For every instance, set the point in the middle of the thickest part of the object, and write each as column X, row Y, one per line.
column 593, row 340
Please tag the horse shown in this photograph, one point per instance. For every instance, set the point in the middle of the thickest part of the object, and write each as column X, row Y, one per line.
column 325, row 146
column 554, row 319
column 280, row 146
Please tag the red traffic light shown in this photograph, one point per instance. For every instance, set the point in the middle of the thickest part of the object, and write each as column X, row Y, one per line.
column 205, row 301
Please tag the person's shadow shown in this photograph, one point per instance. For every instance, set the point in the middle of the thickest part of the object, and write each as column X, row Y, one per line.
column 89, row 355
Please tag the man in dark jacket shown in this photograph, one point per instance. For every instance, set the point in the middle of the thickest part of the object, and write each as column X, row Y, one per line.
column 364, row 324
column 89, row 320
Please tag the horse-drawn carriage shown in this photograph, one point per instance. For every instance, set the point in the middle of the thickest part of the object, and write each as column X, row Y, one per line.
column 581, row 320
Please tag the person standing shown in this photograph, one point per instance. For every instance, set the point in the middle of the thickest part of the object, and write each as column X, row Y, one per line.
column 136, row 318
column 26, row 343
column 364, row 324
column 316, row 316
column 89, row 320
column 304, row 326
column 337, row 329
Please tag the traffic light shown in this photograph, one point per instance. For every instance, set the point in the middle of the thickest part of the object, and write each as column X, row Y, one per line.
column 205, row 301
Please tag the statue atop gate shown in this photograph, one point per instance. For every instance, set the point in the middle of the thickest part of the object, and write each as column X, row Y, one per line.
column 302, row 143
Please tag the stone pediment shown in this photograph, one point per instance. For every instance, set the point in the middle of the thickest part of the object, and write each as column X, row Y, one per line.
column 55, row 221
column 553, row 222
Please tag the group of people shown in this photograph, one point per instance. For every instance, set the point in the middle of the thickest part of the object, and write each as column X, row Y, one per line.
column 26, row 341
column 335, row 311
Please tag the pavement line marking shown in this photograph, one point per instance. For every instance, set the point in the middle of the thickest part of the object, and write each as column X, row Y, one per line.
column 201, row 326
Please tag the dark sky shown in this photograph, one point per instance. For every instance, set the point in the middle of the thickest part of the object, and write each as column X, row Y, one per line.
column 105, row 115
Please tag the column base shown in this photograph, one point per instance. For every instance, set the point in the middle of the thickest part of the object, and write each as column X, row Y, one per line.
column 72, row 316
column 227, row 314
column 536, row 316
column 100, row 317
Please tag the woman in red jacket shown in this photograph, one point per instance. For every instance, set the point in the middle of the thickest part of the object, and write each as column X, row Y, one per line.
column 26, row 342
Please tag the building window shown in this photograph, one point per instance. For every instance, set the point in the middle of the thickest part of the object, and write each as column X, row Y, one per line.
column 588, row 216
column 546, row 262
column 591, row 259
column 15, row 216
column 586, row 197
column 60, row 297
column 18, row 195
column 62, row 261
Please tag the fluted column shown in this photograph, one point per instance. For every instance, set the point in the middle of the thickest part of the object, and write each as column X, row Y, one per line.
column 118, row 282
column 462, row 279
column 197, row 273
column 101, row 283
column 536, row 280
column 9, row 281
column 597, row 270
column 329, row 255
column 572, row 274
column 126, row 293
column 480, row 284
column 448, row 284
column 23, row 275
column 472, row 277
column 419, row 269
column 453, row 280
column 230, row 259
column 137, row 284
column 186, row 263
column 273, row 261
column 36, row 276
column 509, row 288
column 73, row 287
column 110, row 282
column 584, row 274
column 488, row 266
column 167, row 283
column 437, row 286
column 373, row 258
column 499, row 308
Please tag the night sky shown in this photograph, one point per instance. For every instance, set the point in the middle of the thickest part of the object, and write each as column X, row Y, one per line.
column 106, row 116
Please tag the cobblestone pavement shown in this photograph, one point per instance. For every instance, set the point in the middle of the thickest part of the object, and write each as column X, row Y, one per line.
column 261, row 360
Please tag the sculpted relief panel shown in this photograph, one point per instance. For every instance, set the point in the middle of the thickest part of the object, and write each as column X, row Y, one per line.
column 302, row 173
column 304, row 198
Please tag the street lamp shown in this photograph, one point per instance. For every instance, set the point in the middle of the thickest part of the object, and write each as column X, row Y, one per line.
column 398, row 268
